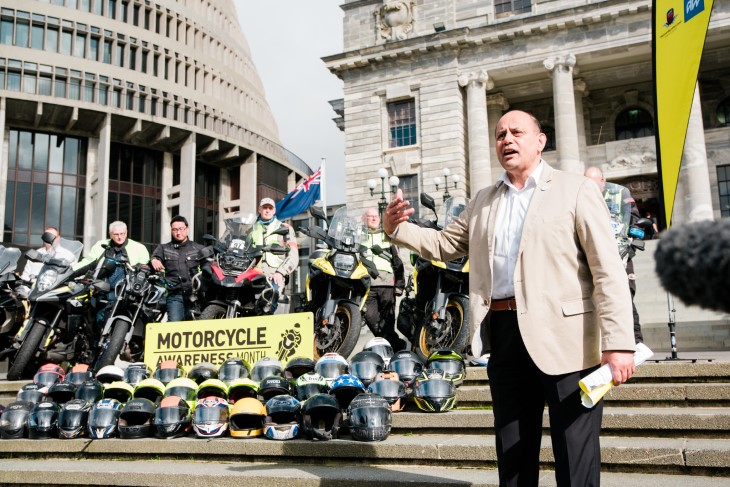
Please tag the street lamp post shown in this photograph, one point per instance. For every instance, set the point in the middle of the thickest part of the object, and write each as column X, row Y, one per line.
column 392, row 181
column 455, row 178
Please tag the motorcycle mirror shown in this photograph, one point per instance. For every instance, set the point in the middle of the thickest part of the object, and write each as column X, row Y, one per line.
column 317, row 212
column 644, row 223
column 205, row 253
column 428, row 201
column 281, row 231
column 48, row 238
column 209, row 239
column 33, row 255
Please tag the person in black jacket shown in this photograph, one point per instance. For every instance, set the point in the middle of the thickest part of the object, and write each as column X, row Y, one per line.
column 179, row 260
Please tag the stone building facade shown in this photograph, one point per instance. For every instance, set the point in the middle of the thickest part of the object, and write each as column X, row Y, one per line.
column 131, row 110
column 425, row 82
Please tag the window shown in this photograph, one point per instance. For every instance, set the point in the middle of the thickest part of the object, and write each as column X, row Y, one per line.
column 107, row 51
column 6, row 32
column 94, row 48
column 51, row 44
column 22, row 29
column 409, row 185
column 723, row 112
column 723, row 186
column 80, row 45
column 503, row 8
column 111, row 10
column 634, row 122
column 119, row 56
column 36, row 38
column 66, row 38
column 402, row 123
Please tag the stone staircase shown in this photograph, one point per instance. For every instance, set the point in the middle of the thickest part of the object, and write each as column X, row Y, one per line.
column 668, row 426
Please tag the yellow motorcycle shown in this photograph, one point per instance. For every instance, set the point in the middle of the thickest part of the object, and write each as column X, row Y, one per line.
column 338, row 282
column 437, row 316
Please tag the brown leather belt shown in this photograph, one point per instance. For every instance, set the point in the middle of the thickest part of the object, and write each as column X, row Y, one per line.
column 508, row 304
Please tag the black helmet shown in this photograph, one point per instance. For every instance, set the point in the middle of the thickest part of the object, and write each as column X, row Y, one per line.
column 369, row 417
column 49, row 374
column 91, row 391
column 407, row 365
column 331, row 366
column 135, row 420
column 136, row 373
column 43, row 421
column 434, row 392
column 366, row 365
column 273, row 386
column 282, row 418
column 168, row 370
column 382, row 347
column 14, row 420
column 321, row 417
column 345, row 388
column 234, row 368
column 242, row 388
column 173, row 418
column 309, row 384
column 298, row 366
column 79, row 374
column 266, row 367
column 392, row 389
column 450, row 362
column 121, row 391
column 73, row 418
column 202, row 372
column 32, row 393
column 104, row 418
column 62, row 392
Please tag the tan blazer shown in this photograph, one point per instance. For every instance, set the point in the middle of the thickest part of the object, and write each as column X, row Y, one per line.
column 571, row 288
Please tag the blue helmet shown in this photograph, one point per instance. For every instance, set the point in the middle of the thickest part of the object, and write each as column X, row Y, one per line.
column 345, row 388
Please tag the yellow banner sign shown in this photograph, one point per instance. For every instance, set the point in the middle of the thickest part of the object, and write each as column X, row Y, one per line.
column 680, row 27
column 190, row 342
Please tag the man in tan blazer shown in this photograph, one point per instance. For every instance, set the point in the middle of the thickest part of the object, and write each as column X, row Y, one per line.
column 548, row 297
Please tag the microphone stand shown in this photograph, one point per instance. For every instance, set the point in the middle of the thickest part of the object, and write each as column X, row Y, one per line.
column 674, row 356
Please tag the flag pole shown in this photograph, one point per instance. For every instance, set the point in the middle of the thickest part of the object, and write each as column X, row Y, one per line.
column 323, row 188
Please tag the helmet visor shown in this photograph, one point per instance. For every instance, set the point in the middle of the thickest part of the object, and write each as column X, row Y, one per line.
column 170, row 415
column 187, row 393
column 406, row 368
column 331, row 370
column 210, row 415
column 435, row 388
column 369, row 417
column 450, row 366
column 385, row 351
column 389, row 389
column 167, row 375
column 78, row 378
column 47, row 378
column 102, row 417
column 365, row 371
column 135, row 375
column 241, row 392
column 43, row 418
column 261, row 372
column 305, row 391
column 242, row 422
column 72, row 418
column 229, row 372
column 33, row 396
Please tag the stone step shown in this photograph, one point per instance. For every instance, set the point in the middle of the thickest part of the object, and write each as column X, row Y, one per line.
column 630, row 454
column 213, row 474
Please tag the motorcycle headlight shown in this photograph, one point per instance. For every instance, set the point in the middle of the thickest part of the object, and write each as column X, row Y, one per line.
column 344, row 262
column 46, row 280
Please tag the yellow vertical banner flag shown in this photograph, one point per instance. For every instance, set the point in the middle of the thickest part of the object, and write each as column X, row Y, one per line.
column 679, row 31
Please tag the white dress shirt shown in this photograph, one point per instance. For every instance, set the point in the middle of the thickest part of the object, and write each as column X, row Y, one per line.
column 508, row 231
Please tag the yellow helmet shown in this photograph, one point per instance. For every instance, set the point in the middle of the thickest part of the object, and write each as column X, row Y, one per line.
column 247, row 418
column 184, row 388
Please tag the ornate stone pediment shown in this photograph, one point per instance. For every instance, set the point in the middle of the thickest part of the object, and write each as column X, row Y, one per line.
column 394, row 20
column 631, row 153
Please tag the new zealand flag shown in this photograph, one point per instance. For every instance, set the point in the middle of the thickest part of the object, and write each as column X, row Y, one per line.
column 299, row 200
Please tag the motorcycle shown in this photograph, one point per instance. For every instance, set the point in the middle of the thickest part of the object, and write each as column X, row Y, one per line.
column 338, row 282
column 437, row 316
column 59, row 308
column 234, row 286
column 138, row 298
column 12, row 308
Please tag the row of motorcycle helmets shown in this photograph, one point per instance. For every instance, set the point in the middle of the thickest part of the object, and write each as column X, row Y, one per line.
column 368, row 418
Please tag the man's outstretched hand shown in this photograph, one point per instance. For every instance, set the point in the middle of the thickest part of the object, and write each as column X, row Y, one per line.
column 396, row 212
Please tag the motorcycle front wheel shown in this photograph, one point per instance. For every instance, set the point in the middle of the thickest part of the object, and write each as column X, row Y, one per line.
column 453, row 333
column 213, row 312
column 26, row 355
column 114, row 345
column 340, row 336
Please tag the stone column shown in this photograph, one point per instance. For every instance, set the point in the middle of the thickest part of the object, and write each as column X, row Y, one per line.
column 694, row 170
column 167, row 202
column 3, row 164
column 97, row 185
column 187, row 180
column 566, row 127
column 496, row 106
column 249, row 185
column 580, row 93
column 480, row 172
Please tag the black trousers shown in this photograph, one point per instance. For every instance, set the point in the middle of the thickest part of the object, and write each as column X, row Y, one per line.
column 519, row 394
column 380, row 315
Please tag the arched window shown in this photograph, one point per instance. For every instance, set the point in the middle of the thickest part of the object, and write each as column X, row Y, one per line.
column 550, row 133
column 723, row 112
column 634, row 122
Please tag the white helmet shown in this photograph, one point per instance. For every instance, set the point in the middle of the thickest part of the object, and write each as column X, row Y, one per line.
column 382, row 347
column 109, row 374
